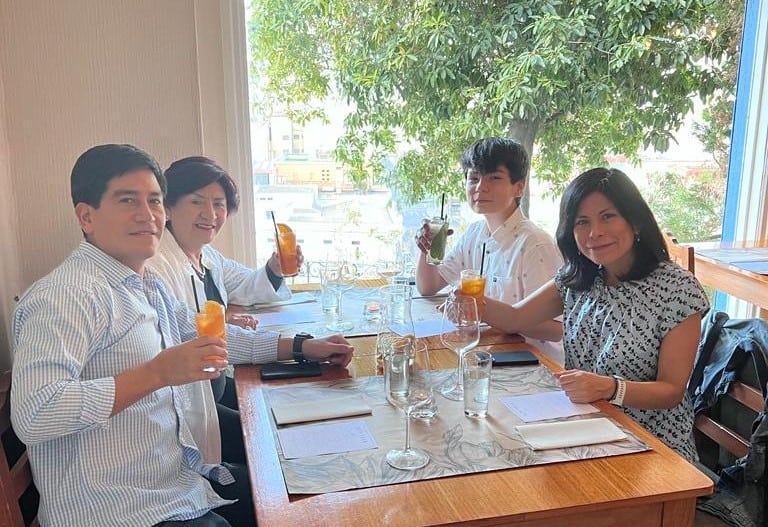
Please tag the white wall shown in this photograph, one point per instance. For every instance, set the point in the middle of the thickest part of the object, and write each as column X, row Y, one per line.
column 77, row 73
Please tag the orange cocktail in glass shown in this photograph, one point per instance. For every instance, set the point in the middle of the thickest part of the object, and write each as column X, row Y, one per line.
column 473, row 284
column 211, row 321
column 286, row 249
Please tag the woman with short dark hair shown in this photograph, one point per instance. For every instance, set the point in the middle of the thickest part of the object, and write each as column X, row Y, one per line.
column 631, row 318
column 200, row 197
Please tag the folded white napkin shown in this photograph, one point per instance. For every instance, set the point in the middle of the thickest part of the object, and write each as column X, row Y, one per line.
column 543, row 436
column 318, row 410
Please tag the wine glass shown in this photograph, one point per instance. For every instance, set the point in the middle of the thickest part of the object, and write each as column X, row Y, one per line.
column 409, row 388
column 460, row 332
column 339, row 277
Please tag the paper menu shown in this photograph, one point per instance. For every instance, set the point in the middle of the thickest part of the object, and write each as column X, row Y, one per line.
column 545, row 405
column 326, row 438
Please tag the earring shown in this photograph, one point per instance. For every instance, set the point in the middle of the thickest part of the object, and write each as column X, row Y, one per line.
column 637, row 237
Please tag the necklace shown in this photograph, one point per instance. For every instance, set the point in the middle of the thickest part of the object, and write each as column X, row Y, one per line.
column 200, row 274
column 203, row 271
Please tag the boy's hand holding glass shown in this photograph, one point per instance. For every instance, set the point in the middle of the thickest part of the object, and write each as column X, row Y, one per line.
column 432, row 238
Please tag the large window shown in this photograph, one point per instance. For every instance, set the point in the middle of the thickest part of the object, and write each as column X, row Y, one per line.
column 297, row 177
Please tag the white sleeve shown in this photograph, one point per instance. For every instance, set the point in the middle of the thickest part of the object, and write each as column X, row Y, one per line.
column 540, row 263
column 246, row 286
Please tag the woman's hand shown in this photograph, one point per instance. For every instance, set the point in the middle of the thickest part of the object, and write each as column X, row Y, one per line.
column 585, row 387
column 244, row 321
column 274, row 262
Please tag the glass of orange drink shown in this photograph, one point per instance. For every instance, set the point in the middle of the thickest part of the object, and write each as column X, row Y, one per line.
column 211, row 321
column 473, row 284
column 286, row 249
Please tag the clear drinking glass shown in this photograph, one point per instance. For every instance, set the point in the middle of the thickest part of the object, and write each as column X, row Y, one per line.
column 410, row 387
column 338, row 278
column 460, row 332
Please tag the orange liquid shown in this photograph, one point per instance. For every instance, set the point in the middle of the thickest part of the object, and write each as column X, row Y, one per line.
column 210, row 325
column 211, row 322
column 474, row 286
column 286, row 243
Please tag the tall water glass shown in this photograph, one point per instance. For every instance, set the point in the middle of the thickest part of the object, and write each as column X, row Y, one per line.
column 460, row 332
column 338, row 278
column 410, row 388
column 395, row 322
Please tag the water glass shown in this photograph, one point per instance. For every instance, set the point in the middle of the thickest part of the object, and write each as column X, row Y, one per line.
column 477, row 382
column 460, row 332
column 409, row 387
column 428, row 410
column 337, row 278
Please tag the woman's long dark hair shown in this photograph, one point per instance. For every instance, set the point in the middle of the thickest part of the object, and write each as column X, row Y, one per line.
column 579, row 272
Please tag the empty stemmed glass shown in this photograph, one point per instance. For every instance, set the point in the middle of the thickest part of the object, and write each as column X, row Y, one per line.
column 460, row 332
column 409, row 388
column 338, row 278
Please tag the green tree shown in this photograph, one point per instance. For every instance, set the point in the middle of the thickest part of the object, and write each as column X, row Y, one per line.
column 690, row 207
column 580, row 79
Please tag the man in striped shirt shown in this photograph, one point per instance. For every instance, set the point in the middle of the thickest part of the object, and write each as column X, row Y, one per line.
column 103, row 355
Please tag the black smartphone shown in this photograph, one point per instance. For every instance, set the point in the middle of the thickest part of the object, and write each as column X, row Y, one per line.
column 514, row 358
column 289, row 370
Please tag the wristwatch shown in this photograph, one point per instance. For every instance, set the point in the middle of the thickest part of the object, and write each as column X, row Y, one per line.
column 298, row 341
column 621, row 391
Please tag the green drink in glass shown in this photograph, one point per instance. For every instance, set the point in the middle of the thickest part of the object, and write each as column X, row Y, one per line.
column 439, row 230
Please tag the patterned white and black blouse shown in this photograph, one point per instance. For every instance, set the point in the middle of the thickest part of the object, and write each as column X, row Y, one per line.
column 617, row 330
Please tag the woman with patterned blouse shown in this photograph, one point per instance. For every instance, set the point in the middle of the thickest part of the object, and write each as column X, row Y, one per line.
column 631, row 318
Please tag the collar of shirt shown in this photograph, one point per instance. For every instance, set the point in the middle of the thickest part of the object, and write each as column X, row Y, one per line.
column 498, row 238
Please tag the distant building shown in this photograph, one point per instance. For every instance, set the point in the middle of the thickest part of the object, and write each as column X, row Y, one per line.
column 326, row 175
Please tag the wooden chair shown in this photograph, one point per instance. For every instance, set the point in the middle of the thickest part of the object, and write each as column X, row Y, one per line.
column 18, row 496
column 682, row 255
column 722, row 436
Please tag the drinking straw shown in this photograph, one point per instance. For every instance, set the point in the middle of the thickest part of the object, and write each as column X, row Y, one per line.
column 442, row 207
column 482, row 260
column 277, row 234
column 194, row 292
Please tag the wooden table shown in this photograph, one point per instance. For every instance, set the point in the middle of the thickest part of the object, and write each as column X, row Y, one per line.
column 731, row 279
column 654, row 488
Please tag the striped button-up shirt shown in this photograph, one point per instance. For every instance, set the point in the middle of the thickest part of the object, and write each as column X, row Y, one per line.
column 74, row 330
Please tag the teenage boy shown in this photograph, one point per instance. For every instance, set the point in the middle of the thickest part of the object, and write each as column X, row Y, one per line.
column 519, row 256
column 103, row 358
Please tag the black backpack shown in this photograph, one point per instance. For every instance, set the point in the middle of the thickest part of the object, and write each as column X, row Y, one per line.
column 728, row 347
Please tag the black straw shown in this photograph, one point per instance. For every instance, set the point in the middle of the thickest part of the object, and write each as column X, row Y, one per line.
column 277, row 235
column 442, row 207
column 482, row 260
column 194, row 292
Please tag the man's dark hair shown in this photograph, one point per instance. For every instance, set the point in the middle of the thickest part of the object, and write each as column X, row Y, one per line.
column 486, row 155
column 98, row 165
column 579, row 272
column 190, row 174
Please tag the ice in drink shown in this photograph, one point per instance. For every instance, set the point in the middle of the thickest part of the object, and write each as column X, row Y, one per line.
column 286, row 249
column 473, row 284
column 439, row 229
column 211, row 321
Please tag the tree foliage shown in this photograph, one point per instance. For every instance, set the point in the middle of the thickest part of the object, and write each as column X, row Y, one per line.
column 689, row 207
column 580, row 79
